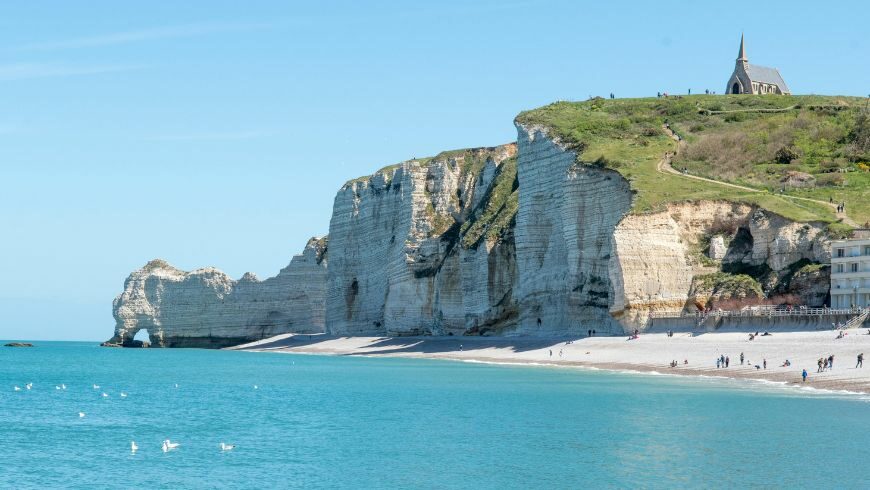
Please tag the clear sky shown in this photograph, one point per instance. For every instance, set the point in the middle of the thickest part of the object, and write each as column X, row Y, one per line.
column 217, row 132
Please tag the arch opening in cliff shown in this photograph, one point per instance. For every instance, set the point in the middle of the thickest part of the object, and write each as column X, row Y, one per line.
column 139, row 338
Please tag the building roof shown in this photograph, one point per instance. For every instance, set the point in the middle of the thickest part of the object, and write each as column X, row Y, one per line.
column 766, row 74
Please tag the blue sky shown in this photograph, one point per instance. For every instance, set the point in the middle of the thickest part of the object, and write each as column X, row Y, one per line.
column 216, row 133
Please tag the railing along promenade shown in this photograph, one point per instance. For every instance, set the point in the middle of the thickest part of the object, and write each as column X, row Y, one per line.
column 760, row 312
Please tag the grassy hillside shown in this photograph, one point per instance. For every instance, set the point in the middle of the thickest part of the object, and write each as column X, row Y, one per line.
column 783, row 147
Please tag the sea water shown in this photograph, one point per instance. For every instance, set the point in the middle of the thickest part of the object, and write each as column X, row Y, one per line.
column 355, row 422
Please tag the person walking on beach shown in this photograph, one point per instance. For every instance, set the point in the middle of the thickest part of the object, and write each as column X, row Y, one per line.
column 820, row 365
column 589, row 333
column 718, row 363
column 765, row 363
column 727, row 361
column 460, row 347
column 741, row 358
column 560, row 352
column 804, row 375
column 831, row 361
column 551, row 352
column 860, row 361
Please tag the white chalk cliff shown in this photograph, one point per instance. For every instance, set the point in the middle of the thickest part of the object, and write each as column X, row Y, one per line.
column 518, row 239
column 206, row 308
column 403, row 260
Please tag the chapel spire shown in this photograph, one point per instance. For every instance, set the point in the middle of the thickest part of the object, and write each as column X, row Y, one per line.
column 741, row 56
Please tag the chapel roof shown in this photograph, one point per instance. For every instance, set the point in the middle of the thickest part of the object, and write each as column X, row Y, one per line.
column 766, row 74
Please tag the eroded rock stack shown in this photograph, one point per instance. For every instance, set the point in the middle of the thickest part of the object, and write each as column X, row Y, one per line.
column 206, row 308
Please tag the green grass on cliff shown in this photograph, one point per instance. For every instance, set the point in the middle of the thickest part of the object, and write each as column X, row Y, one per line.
column 730, row 138
column 498, row 208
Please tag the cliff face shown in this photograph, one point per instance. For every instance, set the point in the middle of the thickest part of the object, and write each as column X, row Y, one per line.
column 518, row 239
column 564, row 238
column 206, row 308
column 410, row 251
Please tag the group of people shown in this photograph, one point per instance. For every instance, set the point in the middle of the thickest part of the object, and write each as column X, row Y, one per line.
column 724, row 361
column 674, row 363
column 826, row 363
column 841, row 207
column 670, row 333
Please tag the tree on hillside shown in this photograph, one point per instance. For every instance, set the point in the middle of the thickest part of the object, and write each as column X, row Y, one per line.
column 860, row 135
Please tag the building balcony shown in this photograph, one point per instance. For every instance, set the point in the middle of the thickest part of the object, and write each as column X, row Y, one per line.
column 848, row 291
column 850, row 258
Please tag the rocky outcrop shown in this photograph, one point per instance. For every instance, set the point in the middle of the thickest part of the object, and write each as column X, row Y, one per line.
column 717, row 249
column 659, row 256
column 418, row 248
column 206, row 308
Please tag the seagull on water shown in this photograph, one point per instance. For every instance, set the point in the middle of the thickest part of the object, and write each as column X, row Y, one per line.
column 123, row 395
column 133, row 447
column 96, row 387
column 62, row 386
column 81, row 415
column 17, row 388
column 256, row 387
column 105, row 395
column 28, row 385
column 57, row 387
column 168, row 445
column 227, row 447
column 176, row 385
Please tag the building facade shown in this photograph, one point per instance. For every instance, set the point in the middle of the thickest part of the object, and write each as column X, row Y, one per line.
column 850, row 272
column 754, row 79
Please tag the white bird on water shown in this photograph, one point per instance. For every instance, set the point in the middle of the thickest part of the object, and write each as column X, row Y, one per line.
column 96, row 387
column 105, row 395
column 176, row 385
column 28, row 385
column 81, row 415
column 133, row 447
column 62, row 386
column 227, row 447
column 17, row 388
column 168, row 445
column 123, row 395
column 57, row 387
column 256, row 387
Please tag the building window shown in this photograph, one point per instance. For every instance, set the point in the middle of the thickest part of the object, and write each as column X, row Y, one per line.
column 867, row 250
column 841, row 252
column 840, row 268
column 854, row 267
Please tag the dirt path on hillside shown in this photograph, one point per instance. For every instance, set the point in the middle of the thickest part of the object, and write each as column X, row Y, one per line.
column 664, row 166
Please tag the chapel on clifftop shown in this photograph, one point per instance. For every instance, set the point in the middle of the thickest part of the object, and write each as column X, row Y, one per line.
column 754, row 79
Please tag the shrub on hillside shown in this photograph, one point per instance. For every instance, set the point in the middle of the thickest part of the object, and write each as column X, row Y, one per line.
column 831, row 180
column 860, row 134
column 833, row 165
column 786, row 155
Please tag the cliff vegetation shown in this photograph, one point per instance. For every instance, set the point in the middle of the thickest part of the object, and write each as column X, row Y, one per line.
column 793, row 154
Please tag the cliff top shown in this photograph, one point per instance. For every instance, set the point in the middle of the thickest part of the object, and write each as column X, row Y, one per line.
column 471, row 160
column 792, row 155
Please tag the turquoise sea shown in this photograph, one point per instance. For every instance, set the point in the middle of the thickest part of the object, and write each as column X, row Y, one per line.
column 350, row 422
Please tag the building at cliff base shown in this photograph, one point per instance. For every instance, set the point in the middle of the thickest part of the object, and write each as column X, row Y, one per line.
column 754, row 79
column 850, row 272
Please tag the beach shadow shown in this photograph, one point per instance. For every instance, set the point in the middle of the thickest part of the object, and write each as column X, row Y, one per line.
column 413, row 345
